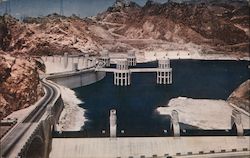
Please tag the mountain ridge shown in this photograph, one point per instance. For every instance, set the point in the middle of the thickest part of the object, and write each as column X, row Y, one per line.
column 217, row 27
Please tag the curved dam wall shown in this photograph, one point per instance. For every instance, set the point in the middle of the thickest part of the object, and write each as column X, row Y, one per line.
column 75, row 79
column 72, row 71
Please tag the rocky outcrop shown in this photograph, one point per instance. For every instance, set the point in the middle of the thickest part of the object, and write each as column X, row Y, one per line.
column 213, row 26
column 19, row 83
column 53, row 34
column 241, row 96
column 222, row 26
column 120, row 5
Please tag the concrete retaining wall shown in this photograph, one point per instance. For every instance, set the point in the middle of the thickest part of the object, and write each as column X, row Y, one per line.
column 77, row 79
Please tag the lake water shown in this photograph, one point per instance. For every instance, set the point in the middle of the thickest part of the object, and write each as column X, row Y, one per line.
column 136, row 104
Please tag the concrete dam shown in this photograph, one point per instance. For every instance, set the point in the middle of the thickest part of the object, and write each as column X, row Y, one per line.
column 122, row 72
column 33, row 136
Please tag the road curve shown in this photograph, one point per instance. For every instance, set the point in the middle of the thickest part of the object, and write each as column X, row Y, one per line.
column 13, row 137
column 16, row 135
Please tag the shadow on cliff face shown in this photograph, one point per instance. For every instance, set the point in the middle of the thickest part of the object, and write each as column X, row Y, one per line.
column 5, row 36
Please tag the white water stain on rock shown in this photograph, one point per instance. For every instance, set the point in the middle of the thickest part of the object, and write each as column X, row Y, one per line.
column 72, row 117
column 203, row 113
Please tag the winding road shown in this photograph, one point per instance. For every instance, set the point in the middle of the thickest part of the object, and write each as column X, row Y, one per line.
column 16, row 136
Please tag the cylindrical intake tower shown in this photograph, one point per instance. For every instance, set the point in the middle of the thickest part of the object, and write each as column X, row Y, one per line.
column 164, row 72
column 131, row 59
column 122, row 73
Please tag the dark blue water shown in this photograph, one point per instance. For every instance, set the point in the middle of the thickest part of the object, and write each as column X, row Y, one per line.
column 136, row 104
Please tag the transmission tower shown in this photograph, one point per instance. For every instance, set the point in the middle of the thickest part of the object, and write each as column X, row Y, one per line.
column 61, row 7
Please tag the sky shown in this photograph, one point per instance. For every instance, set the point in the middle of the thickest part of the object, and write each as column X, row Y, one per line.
column 82, row 8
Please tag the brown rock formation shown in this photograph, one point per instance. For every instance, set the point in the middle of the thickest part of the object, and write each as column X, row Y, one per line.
column 241, row 96
column 221, row 26
column 53, row 34
column 19, row 84
column 216, row 26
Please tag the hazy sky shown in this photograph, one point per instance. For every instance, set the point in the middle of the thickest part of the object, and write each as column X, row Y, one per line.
column 43, row 7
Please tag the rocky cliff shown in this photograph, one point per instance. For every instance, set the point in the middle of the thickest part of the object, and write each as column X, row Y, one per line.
column 52, row 34
column 19, row 83
column 241, row 96
column 211, row 26
column 220, row 26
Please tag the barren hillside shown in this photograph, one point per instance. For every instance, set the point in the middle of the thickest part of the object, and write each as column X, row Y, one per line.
column 214, row 27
